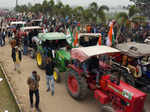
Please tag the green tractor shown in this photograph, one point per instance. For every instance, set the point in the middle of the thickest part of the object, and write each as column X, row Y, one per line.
column 60, row 53
column 60, row 43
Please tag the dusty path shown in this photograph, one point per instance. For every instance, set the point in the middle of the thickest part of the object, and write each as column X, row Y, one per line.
column 60, row 102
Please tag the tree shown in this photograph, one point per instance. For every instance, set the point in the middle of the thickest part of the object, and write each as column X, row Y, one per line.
column 77, row 12
column 87, row 14
column 94, row 9
column 45, row 7
column 144, row 6
column 67, row 11
column 58, row 8
column 124, row 18
column 101, row 13
column 98, row 12
column 22, row 8
column 51, row 5
column 36, row 8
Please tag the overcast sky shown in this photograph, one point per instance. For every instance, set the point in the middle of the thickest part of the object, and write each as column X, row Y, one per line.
column 11, row 3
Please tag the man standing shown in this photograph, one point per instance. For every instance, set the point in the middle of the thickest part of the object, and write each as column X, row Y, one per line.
column 1, row 39
column 25, row 44
column 3, row 36
column 49, row 69
column 17, row 57
column 33, row 82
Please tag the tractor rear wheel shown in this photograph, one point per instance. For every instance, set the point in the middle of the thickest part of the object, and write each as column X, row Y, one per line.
column 56, row 75
column 76, row 85
column 40, row 59
column 107, row 108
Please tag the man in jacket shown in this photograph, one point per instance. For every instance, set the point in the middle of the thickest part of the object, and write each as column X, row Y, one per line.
column 33, row 82
column 49, row 69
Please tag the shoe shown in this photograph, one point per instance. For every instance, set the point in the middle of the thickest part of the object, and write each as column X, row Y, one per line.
column 38, row 110
column 48, row 90
column 31, row 105
column 52, row 93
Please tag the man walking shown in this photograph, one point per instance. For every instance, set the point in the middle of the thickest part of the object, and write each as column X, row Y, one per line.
column 33, row 82
column 49, row 68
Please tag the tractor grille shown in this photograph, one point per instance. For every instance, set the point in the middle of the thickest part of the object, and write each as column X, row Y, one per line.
column 139, row 104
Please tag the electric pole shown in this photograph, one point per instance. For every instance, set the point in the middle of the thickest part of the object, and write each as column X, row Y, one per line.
column 16, row 3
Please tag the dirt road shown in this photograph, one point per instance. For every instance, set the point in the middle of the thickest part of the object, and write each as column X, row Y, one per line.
column 60, row 102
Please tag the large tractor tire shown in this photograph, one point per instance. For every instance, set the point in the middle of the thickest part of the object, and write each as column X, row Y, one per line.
column 76, row 85
column 107, row 108
column 41, row 60
column 128, row 78
column 56, row 75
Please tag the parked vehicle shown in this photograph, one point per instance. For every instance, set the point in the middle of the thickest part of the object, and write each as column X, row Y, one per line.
column 134, row 60
column 87, row 39
column 24, row 33
column 116, row 95
column 62, row 56
column 56, row 44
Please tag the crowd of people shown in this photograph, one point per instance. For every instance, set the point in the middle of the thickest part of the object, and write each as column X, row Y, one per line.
column 138, row 32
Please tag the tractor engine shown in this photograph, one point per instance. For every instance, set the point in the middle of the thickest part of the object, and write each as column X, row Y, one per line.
column 122, row 97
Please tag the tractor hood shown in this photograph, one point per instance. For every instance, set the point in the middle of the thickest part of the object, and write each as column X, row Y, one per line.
column 64, row 54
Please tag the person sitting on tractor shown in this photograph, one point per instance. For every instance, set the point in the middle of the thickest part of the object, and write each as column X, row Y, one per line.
column 92, row 65
column 129, row 62
column 94, row 68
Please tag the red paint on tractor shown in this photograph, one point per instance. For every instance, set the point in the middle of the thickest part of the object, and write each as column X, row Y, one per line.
column 73, row 84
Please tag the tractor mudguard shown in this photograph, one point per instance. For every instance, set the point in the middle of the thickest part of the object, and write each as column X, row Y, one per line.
column 75, row 69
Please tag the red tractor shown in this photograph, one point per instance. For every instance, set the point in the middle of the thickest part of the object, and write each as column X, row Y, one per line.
column 116, row 95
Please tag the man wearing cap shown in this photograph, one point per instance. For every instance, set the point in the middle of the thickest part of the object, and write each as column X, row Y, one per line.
column 33, row 83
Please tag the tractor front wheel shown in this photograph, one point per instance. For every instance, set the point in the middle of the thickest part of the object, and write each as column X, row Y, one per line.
column 40, row 59
column 56, row 75
column 107, row 108
column 76, row 85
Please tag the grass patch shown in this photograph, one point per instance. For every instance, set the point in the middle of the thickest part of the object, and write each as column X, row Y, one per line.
column 7, row 101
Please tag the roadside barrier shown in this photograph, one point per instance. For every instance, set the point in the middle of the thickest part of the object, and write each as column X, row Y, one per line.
column 11, row 88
